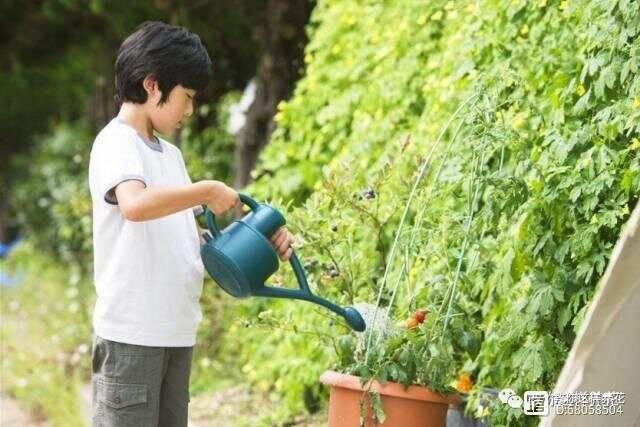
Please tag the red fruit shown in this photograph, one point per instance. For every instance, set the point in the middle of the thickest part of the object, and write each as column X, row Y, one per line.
column 420, row 315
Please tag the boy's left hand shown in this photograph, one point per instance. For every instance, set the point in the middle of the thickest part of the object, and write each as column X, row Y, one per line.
column 282, row 241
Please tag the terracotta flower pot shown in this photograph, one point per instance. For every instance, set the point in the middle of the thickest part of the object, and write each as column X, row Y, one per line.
column 413, row 406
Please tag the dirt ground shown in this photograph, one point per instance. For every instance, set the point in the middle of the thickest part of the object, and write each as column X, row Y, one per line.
column 238, row 408
column 233, row 407
column 12, row 415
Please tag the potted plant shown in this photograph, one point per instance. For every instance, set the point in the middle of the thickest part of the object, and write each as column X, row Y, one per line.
column 400, row 374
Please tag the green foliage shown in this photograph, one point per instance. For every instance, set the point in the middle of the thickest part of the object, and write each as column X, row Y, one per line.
column 54, row 203
column 279, row 350
column 525, row 188
column 42, row 96
column 365, row 82
column 209, row 154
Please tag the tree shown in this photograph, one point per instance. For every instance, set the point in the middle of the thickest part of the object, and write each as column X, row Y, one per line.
column 282, row 37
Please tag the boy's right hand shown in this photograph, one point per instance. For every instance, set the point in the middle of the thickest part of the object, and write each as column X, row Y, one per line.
column 219, row 197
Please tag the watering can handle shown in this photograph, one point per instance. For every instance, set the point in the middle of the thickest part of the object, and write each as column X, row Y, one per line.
column 211, row 218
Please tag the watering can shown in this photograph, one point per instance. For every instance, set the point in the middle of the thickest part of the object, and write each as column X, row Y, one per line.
column 240, row 259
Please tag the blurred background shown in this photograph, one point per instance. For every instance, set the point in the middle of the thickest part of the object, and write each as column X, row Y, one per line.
column 58, row 58
column 57, row 61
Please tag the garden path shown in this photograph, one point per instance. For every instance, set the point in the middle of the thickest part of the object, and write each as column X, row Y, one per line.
column 12, row 414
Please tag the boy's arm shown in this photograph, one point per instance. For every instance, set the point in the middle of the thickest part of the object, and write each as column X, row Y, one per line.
column 140, row 203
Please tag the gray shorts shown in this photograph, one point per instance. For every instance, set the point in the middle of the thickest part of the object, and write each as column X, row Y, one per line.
column 135, row 385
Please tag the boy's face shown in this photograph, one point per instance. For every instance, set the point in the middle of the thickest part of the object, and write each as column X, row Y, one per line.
column 171, row 115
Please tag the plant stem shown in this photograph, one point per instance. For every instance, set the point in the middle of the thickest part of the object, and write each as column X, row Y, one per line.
column 471, row 215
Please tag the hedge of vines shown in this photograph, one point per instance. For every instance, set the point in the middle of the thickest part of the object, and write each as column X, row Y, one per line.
column 506, row 136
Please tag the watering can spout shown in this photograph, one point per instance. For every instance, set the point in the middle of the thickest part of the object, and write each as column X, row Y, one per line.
column 350, row 314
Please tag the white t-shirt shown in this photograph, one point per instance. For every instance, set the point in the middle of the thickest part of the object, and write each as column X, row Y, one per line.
column 148, row 275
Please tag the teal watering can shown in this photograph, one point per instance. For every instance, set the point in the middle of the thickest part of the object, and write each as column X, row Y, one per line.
column 240, row 259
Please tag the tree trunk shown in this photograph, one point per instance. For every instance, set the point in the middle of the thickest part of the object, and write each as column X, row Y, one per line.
column 101, row 107
column 4, row 214
column 282, row 38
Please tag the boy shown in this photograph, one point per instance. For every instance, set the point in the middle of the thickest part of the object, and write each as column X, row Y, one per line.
column 147, row 266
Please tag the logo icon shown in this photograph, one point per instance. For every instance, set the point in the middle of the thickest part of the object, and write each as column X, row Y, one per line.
column 536, row 403
column 515, row 401
column 505, row 394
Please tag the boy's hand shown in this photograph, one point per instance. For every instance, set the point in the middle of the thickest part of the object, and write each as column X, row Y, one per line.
column 282, row 241
column 219, row 197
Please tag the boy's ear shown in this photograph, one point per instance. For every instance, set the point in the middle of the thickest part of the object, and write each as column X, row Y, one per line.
column 150, row 85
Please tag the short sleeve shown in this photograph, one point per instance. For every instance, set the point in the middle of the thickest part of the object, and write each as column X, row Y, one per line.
column 114, row 160
column 197, row 210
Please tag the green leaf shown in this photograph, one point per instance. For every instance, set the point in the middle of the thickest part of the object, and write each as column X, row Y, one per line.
column 583, row 103
column 575, row 194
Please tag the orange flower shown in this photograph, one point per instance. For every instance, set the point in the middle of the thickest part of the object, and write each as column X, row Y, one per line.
column 411, row 323
column 464, row 383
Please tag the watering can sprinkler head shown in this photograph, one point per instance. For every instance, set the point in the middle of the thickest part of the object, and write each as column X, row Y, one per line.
column 354, row 319
column 240, row 259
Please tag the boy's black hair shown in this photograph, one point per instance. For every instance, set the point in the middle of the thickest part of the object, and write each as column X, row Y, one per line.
column 173, row 55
